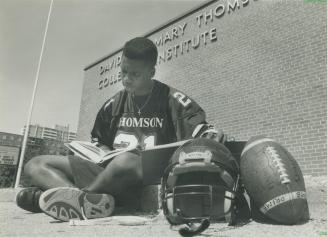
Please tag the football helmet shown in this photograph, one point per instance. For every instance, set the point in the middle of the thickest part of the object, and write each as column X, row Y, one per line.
column 200, row 183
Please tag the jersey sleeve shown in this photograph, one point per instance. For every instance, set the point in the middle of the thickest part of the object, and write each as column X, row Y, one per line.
column 186, row 114
column 102, row 122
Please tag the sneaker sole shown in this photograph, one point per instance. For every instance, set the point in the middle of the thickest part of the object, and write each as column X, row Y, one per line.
column 72, row 203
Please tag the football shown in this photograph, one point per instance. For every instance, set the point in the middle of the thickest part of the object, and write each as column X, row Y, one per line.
column 274, row 182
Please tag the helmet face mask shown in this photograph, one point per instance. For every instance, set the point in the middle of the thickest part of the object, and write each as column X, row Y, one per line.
column 196, row 185
column 193, row 203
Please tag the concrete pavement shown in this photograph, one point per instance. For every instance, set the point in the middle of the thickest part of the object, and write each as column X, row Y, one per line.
column 17, row 222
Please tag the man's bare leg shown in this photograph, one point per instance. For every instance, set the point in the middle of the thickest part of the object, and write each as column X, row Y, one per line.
column 124, row 172
column 49, row 171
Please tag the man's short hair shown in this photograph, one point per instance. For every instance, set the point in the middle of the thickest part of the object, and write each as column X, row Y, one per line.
column 141, row 48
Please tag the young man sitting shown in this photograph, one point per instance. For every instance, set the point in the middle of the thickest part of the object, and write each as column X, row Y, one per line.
column 159, row 113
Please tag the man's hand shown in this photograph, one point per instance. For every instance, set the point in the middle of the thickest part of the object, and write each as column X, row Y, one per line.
column 217, row 135
column 208, row 131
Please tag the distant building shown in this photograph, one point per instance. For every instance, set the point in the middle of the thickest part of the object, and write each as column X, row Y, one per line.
column 59, row 133
column 10, row 139
column 10, row 148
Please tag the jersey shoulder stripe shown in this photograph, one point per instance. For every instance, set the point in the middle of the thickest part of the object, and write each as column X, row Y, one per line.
column 113, row 104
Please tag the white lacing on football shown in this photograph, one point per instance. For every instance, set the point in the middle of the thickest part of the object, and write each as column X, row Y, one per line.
column 278, row 162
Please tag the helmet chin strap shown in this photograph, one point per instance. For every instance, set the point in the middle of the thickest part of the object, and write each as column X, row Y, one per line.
column 192, row 228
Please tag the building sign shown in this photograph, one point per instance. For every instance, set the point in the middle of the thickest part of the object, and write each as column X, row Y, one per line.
column 9, row 155
column 205, row 21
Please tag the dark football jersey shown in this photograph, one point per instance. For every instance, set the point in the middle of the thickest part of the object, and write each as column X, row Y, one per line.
column 165, row 115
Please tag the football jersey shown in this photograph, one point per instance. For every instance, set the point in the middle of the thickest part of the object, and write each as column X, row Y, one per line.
column 164, row 116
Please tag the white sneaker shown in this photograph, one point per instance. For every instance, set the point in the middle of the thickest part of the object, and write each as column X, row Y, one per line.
column 66, row 203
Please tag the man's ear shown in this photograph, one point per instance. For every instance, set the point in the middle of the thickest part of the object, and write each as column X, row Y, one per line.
column 153, row 72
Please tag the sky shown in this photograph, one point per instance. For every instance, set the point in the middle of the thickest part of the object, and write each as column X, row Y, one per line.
column 79, row 33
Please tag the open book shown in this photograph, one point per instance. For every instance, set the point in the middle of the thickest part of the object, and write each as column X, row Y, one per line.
column 89, row 151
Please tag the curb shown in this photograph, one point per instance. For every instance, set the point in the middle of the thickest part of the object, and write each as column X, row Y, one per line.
column 8, row 194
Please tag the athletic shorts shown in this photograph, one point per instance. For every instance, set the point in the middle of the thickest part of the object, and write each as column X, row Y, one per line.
column 85, row 172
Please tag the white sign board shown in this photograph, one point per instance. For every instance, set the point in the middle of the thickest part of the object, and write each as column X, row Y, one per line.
column 9, row 155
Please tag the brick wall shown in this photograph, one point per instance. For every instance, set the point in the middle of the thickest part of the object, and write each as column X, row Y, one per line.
column 263, row 70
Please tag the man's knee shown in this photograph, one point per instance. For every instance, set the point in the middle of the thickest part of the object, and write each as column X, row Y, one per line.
column 34, row 165
column 127, row 164
column 40, row 164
